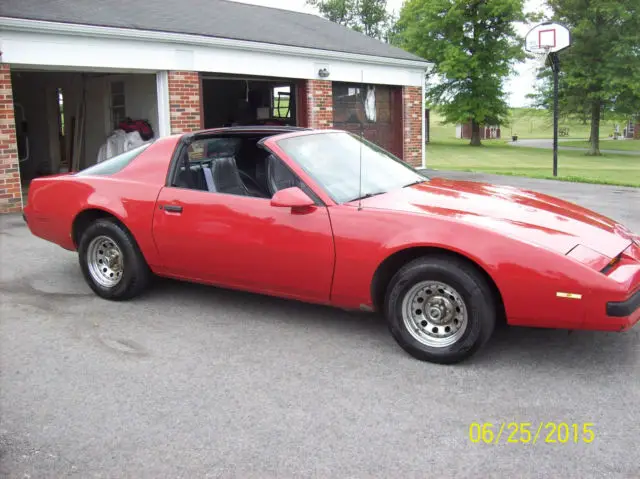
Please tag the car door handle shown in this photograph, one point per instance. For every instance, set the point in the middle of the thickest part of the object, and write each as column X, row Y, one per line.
column 173, row 208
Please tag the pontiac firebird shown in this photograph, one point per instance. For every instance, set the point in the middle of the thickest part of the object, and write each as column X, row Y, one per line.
column 328, row 217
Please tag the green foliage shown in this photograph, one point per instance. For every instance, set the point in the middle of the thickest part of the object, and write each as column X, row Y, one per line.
column 600, row 72
column 472, row 46
column 373, row 17
column 366, row 16
column 337, row 11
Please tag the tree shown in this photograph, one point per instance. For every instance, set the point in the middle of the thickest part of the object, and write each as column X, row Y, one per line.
column 600, row 72
column 574, row 102
column 366, row 16
column 372, row 16
column 337, row 11
column 472, row 46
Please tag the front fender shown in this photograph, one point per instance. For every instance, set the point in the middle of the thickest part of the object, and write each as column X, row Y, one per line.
column 527, row 275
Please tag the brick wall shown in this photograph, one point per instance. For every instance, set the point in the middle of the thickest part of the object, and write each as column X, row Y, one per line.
column 319, row 104
column 184, row 101
column 412, row 125
column 10, row 190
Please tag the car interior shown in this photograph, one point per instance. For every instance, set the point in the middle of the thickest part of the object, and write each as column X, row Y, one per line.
column 234, row 165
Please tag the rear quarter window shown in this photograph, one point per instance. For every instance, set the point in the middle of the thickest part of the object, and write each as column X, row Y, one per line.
column 114, row 164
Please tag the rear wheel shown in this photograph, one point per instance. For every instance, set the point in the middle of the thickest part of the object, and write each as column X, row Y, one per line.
column 111, row 261
column 440, row 309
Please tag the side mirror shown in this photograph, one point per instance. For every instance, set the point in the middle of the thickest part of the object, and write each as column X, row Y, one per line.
column 293, row 198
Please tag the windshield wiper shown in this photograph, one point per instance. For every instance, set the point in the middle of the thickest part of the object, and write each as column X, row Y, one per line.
column 415, row 183
column 368, row 195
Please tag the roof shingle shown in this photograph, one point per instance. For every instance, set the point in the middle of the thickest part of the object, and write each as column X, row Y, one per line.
column 214, row 18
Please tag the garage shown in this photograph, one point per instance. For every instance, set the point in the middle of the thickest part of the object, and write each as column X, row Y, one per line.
column 373, row 111
column 64, row 119
column 248, row 100
column 77, row 83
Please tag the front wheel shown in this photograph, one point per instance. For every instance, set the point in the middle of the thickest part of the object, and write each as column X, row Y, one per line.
column 440, row 309
column 111, row 261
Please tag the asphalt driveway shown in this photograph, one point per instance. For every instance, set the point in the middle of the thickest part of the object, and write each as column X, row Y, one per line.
column 192, row 381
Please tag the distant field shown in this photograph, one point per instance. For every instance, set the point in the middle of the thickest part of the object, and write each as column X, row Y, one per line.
column 281, row 110
column 621, row 145
column 497, row 157
column 526, row 123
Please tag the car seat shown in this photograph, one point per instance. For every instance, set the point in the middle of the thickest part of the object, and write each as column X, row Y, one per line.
column 279, row 176
column 226, row 177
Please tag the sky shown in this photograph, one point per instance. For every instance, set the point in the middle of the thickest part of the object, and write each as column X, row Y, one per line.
column 517, row 86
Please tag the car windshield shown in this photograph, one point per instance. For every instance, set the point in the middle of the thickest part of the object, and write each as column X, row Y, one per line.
column 333, row 161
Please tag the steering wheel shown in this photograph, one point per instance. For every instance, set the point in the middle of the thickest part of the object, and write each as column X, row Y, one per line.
column 255, row 188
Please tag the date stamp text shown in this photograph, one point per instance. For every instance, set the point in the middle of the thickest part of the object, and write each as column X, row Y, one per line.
column 532, row 433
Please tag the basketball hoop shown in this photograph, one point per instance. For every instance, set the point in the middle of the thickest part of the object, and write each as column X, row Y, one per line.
column 544, row 41
column 541, row 57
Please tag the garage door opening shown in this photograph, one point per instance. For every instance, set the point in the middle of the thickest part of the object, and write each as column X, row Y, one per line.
column 248, row 101
column 64, row 119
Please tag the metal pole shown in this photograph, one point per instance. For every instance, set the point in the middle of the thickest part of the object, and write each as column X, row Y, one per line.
column 555, row 66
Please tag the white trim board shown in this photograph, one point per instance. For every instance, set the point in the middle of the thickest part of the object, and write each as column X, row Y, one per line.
column 33, row 42
column 164, row 115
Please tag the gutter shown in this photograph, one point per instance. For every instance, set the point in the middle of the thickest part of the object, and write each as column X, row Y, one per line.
column 42, row 26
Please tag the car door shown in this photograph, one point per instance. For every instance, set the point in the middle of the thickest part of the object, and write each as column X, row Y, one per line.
column 244, row 242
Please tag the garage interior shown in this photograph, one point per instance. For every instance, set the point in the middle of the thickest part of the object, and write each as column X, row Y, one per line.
column 375, row 111
column 232, row 101
column 63, row 118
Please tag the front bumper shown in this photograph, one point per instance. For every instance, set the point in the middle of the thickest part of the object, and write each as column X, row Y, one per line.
column 623, row 315
column 621, row 309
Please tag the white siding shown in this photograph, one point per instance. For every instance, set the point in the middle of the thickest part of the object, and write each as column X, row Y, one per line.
column 77, row 51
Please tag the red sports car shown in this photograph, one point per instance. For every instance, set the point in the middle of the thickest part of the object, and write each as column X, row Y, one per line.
column 327, row 217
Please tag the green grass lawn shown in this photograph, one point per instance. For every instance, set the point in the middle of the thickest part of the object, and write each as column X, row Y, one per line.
column 620, row 145
column 280, row 109
column 532, row 123
column 497, row 157
column 526, row 123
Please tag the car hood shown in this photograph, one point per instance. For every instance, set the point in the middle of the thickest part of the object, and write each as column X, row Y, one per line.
column 530, row 216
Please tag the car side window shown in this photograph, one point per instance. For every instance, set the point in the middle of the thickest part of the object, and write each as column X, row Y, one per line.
column 115, row 163
column 236, row 166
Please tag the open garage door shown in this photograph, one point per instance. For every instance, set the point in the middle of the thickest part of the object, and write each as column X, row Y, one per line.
column 64, row 118
column 233, row 101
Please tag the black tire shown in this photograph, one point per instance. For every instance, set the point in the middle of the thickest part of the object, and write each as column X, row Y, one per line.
column 471, row 287
column 135, row 271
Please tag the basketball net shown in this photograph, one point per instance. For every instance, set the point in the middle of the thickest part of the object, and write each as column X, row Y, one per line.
column 541, row 57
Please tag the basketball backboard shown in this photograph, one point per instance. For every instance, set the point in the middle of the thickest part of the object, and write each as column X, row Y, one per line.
column 547, row 37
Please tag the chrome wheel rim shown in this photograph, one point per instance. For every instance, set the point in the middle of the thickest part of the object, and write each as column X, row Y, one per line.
column 105, row 261
column 435, row 314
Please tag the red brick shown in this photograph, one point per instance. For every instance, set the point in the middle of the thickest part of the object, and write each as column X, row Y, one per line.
column 319, row 104
column 412, row 128
column 184, row 101
column 11, row 196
